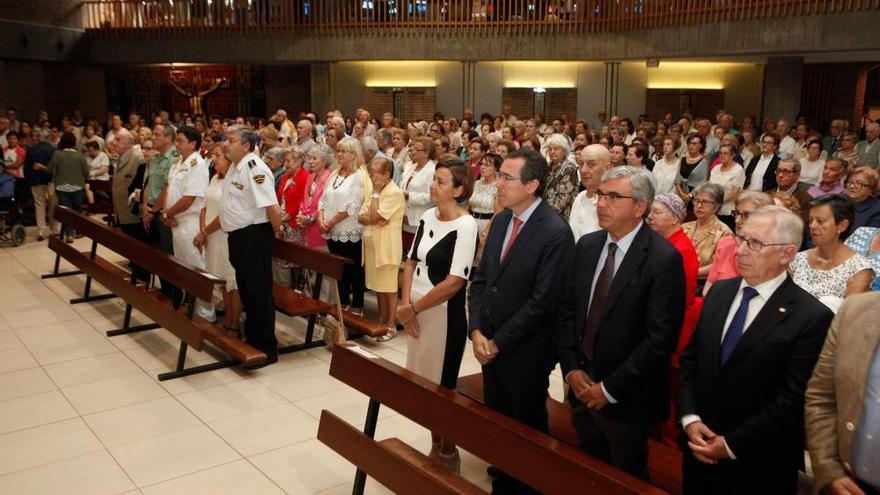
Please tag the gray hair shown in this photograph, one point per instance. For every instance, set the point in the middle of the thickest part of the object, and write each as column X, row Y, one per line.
column 795, row 165
column 307, row 123
column 387, row 135
column 338, row 121
column 245, row 134
column 712, row 189
column 123, row 134
column 557, row 140
column 324, row 153
column 44, row 136
column 369, row 144
column 276, row 153
column 643, row 186
column 759, row 199
column 789, row 226
column 168, row 131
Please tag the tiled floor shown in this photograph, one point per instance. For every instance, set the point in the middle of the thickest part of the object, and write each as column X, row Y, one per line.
column 84, row 413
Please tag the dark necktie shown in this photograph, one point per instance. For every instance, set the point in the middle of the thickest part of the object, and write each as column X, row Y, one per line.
column 737, row 325
column 600, row 292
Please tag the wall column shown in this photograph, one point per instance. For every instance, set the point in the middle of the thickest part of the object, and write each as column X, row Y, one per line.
column 322, row 90
column 782, row 87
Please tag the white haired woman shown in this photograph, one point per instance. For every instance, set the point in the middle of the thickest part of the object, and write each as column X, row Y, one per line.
column 562, row 182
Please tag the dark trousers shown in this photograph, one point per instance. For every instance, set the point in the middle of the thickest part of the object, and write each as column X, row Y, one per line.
column 73, row 200
column 623, row 445
column 137, row 231
column 517, row 390
column 351, row 287
column 161, row 237
column 250, row 253
column 767, row 475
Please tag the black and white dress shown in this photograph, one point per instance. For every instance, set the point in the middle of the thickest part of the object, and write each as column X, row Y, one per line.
column 441, row 249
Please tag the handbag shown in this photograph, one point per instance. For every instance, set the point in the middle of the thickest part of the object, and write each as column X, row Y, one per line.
column 334, row 329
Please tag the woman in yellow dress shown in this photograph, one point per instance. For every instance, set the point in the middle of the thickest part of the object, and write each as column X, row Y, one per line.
column 382, row 216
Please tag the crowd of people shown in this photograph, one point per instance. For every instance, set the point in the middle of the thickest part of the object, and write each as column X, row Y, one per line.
column 618, row 249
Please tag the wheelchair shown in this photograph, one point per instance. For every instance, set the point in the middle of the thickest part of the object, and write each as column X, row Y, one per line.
column 11, row 229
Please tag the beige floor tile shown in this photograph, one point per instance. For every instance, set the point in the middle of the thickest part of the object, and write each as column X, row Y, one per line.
column 33, row 410
column 305, row 467
column 63, row 341
column 168, row 456
column 266, row 429
column 3, row 326
column 24, row 382
column 231, row 399
column 302, row 383
column 235, row 478
column 95, row 473
column 348, row 404
column 8, row 338
column 35, row 313
column 139, row 421
column 16, row 358
column 44, row 444
column 115, row 392
column 287, row 362
column 165, row 358
column 372, row 487
column 203, row 380
column 91, row 369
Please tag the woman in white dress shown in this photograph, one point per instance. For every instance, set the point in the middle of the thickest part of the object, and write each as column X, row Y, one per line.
column 416, row 179
column 812, row 164
column 432, row 308
column 666, row 171
column 831, row 270
column 212, row 240
column 731, row 177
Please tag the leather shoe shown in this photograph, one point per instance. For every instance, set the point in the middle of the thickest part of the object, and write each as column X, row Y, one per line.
column 493, row 471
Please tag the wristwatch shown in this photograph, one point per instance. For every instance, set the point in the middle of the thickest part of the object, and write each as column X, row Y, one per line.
column 375, row 195
column 164, row 215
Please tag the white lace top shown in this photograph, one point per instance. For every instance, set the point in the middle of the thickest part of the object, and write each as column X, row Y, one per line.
column 483, row 197
column 667, row 176
column 826, row 283
column 344, row 194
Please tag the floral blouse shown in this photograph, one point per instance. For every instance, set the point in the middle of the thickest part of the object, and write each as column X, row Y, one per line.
column 562, row 187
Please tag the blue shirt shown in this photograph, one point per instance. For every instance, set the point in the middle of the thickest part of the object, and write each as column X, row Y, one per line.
column 866, row 441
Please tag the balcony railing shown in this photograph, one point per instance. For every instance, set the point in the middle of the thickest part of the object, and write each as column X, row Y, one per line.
column 111, row 18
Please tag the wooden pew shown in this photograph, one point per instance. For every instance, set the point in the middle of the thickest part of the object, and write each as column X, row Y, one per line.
column 664, row 462
column 197, row 284
column 543, row 462
column 294, row 303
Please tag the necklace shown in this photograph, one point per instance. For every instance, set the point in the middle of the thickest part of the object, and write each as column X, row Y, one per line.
column 337, row 185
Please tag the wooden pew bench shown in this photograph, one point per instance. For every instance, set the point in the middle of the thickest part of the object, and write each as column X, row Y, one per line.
column 181, row 322
column 294, row 303
column 541, row 461
column 664, row 462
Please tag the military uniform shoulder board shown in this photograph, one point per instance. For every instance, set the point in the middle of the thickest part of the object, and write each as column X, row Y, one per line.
column 259, row 179
column 193, row 162
column 252, row 163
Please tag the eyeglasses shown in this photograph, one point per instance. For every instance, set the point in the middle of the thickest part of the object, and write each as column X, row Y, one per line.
column 856, row 184
column 704, row 202
column 754, row 244
column 741, row 214
column 784, row 171
column 771, row 143
column 508, row 178
column 612, row 197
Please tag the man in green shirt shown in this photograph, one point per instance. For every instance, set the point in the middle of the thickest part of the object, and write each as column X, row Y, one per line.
column 153, row 198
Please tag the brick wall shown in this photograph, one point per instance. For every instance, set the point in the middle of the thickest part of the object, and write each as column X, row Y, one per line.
column 521, row 101
column 557, row 102
column 699, row 102
column 58, row 88
column 288, row 87
column 418, row 103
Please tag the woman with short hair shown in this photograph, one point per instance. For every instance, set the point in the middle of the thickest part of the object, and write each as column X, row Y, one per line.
column 831, row 270
column 562, row 180
column 731, row 176
column 70, row 171
column 321, row 162
column 724, row 260
column 707, row 230
column 415, row 181
column 861, row 188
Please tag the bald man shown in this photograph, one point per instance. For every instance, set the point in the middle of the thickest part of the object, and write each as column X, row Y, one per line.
column 595, row 160
column 869, row 149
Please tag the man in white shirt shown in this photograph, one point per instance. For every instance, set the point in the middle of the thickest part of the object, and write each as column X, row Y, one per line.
column 583, row 218
column 184, row 197
column 745, row 370
column 788, row 147
column 868, row 149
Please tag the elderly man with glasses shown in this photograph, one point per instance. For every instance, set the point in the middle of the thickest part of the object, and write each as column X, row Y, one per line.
column 744, row 373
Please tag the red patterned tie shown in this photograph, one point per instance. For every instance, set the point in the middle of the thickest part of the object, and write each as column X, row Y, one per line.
column 517, row 223
column 603, row 283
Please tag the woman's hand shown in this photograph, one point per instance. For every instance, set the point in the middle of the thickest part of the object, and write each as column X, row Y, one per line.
column 302, row 220
column 407, row 316
column 199, row 240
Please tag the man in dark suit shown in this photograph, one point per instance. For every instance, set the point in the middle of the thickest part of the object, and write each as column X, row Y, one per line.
column 514, row 295
column 831, row 143
column 619, row 323
column 761, row 170
column 744, row 373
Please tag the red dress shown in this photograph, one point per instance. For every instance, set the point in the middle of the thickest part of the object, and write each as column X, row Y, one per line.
column 291, row 192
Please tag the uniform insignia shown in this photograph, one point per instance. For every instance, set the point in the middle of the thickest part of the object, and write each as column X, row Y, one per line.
column 193, row 162
column 259, row 179
column 252, row 163
column 238, row 186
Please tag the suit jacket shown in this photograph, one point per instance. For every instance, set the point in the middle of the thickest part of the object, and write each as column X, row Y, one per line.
column 640, row 325
column 756, row 398
column 836, row 392
column 769, row 174
column 514, row 301
column 123, row 174
column 827, row 144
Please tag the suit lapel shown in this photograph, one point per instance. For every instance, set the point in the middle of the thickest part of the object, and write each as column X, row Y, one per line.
column 774, row 312
column 528, row 231
column 631, row 263
column 494, row 245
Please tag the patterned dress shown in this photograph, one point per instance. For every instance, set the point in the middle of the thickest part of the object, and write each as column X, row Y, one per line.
column 828, row 286
column 562, row 187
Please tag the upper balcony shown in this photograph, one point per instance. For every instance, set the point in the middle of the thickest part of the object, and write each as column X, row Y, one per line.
column 298, row 30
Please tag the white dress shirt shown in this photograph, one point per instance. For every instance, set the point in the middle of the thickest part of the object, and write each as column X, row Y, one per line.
column 765, row 291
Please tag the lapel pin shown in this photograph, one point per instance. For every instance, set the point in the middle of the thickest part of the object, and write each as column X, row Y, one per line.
column 782, row 310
